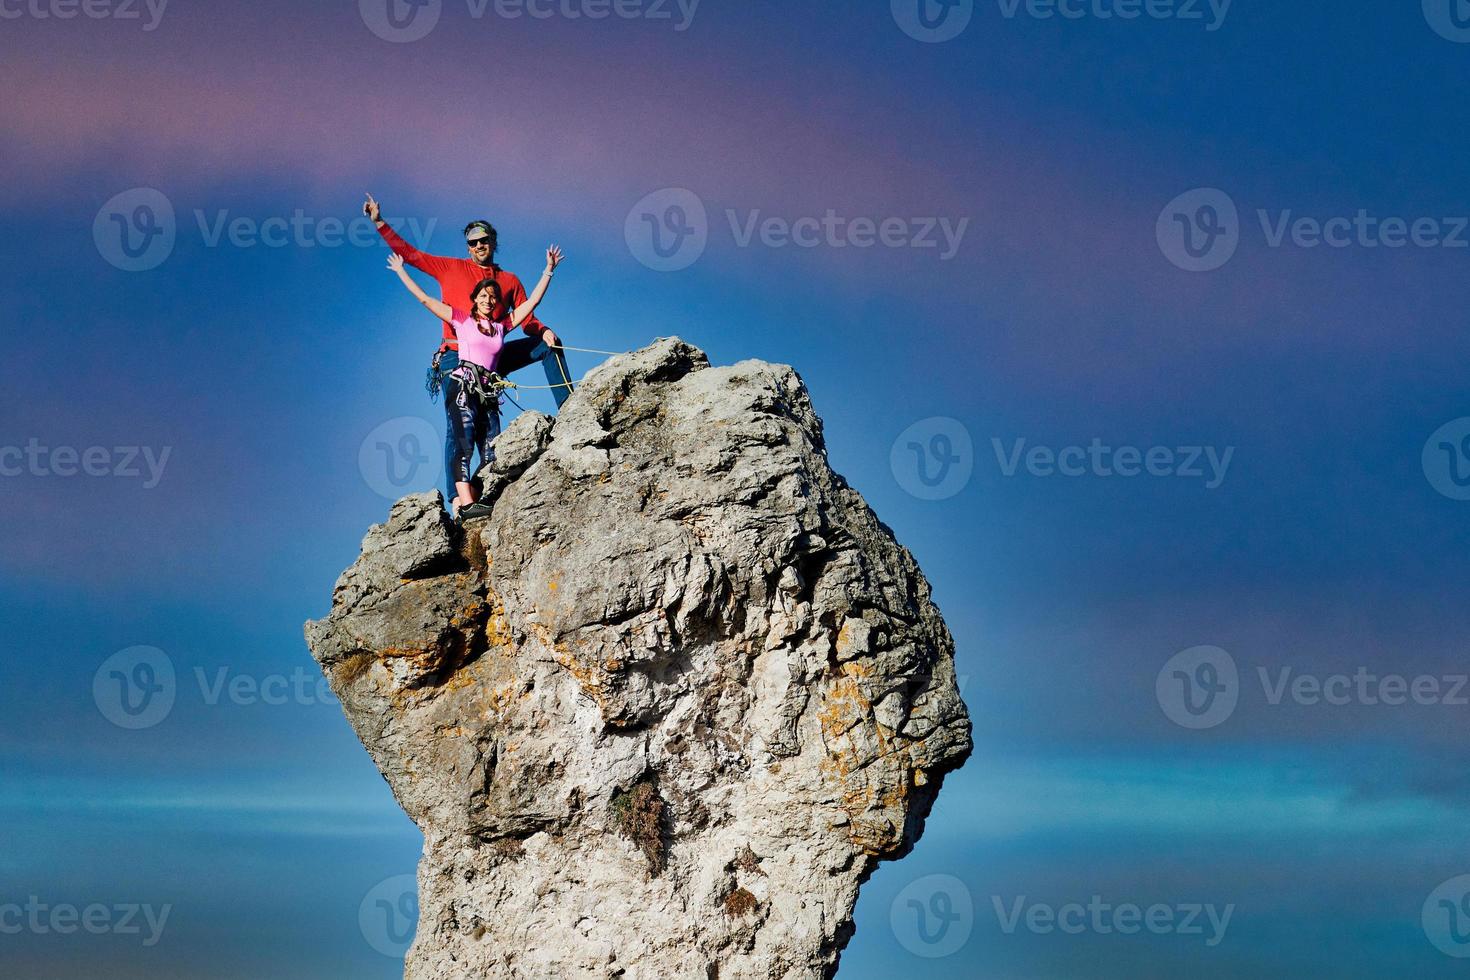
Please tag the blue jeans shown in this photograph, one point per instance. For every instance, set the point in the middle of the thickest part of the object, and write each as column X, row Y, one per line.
column 514, row 356
column 473, row 426
column 527, row 351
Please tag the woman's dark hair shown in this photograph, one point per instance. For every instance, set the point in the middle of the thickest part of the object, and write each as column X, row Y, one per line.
column 495, row 293
column 489, row 231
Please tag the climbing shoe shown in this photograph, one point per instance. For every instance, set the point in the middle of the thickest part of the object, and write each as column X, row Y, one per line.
column 473, row 511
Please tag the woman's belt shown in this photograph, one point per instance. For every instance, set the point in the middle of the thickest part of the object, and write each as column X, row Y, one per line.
column 481, row 383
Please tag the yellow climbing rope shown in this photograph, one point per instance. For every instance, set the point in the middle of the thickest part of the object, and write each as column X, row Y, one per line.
column 589, row 350
column 564, row 384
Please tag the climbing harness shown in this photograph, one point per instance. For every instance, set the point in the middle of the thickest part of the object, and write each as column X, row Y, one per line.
column 483, row 385
column 500, row 386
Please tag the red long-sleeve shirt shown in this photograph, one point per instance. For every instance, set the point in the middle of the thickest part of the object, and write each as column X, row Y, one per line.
column 457, row 277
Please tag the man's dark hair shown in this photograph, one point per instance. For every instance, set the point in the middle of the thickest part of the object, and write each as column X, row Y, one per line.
column 489, row 231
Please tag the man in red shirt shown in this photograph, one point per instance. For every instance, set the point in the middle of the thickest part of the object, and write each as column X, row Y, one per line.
column 456, row 278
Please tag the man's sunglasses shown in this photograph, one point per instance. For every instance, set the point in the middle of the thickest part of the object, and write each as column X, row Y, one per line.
column 472, row 242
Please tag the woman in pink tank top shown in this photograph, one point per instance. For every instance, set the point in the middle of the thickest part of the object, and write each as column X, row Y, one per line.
column 471, row 388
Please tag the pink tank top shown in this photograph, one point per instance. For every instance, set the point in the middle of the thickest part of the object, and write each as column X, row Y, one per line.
column 475, row 346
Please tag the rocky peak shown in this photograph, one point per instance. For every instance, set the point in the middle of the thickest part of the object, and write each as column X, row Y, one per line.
column 663, row 711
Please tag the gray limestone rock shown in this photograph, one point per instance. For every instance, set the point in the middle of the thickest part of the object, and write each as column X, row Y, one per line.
column 661, row 713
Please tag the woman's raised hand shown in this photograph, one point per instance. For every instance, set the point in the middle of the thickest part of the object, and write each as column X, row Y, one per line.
column 553, row 258
column 395, row 262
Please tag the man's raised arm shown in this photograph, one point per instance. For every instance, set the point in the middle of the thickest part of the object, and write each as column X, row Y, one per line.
column 434, row 265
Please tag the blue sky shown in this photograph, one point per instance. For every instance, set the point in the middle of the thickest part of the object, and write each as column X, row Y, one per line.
column 1060, row 319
